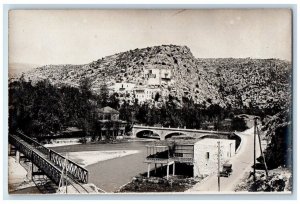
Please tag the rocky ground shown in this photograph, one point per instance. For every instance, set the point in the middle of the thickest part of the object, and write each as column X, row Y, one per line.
column 279, row 180
column 156, row 184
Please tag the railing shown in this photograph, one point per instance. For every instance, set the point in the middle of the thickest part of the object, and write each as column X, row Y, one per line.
column 184, row 159
column 27, row 151
column 75, row 171
column 49, row 169
column 34, row 143
column 159, row 160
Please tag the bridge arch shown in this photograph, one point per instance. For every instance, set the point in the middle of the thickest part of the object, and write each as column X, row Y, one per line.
column 146, row 133
column 171, row 134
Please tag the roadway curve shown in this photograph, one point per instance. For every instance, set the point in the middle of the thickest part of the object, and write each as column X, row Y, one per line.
column 241, row 163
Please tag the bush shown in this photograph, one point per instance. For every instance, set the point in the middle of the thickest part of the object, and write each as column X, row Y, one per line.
column 82, row 140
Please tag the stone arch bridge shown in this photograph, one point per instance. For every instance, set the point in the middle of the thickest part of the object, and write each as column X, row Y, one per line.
column 165, row 132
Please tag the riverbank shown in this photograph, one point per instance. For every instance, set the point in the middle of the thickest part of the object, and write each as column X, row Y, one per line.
column 17, row 176
column 86, row 158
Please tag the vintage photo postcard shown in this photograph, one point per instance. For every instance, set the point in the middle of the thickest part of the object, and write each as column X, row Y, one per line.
column 150, row 101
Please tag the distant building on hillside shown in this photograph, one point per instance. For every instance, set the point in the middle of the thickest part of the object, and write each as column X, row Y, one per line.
column 144, row 94
column 157, row 76
column 123, row 88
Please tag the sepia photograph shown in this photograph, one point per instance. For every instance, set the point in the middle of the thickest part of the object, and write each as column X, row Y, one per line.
column 139, row 101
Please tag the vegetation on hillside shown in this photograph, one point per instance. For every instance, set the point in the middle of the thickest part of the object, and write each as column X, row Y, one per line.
column 279, row 134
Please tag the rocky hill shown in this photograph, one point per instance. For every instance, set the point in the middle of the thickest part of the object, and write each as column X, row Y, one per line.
column 265, row 83
column 238, row 82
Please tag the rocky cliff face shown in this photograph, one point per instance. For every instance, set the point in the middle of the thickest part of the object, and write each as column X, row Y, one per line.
column 248, row 82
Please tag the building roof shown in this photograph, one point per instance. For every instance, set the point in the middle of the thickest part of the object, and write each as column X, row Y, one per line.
column 108, row 110
column 175, row 141
column 213, row 141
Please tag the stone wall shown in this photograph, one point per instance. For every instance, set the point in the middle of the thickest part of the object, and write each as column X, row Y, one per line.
column 206, row 155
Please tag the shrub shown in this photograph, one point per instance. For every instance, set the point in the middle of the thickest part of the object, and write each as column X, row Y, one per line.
column 82, row 140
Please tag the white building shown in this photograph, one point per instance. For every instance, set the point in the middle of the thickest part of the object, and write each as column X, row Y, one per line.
column 122, row 88
column 158, row 76
column 206, row 155
column 144, row 94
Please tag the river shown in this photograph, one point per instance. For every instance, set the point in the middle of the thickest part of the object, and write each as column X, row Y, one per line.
column 109, row 175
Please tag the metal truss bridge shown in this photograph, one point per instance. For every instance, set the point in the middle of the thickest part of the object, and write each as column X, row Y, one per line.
column 50, row 163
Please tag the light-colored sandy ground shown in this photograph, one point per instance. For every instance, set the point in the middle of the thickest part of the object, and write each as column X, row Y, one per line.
column 91, row 157
column 16, row 173
column 17, row 176
column 61, row 144
column 90, row 188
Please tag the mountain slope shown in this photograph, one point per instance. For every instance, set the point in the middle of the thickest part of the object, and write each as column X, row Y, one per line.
column 238, row 82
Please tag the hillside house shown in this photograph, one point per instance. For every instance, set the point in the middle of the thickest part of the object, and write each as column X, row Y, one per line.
column 157, row 76
column 144, row 94
column 123, row 88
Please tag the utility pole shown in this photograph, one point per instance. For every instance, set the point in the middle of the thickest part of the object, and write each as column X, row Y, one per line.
column 219, row 166
column 261, row 152
column 254, row 152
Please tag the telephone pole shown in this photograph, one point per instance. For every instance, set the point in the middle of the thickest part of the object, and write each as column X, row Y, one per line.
column 219, row 166
column 254, row 152
column 261, row 152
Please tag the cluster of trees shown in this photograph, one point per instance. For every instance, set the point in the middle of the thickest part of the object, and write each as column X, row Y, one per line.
column 45, row 109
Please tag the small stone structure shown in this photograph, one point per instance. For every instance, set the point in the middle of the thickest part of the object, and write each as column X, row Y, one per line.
column 206, row 155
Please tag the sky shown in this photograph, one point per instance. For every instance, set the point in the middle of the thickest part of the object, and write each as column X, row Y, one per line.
column 82, row 36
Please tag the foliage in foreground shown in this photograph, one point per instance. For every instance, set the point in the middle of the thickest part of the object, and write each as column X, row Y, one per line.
column 279, row 179
column 156, row 184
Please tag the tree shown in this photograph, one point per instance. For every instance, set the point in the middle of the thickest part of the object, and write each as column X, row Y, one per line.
column 85, row 85
column 104, row 95
column 113, row 101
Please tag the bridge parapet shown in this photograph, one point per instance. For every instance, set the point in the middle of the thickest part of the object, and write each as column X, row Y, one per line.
column 164, row 131
column 179, row 129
